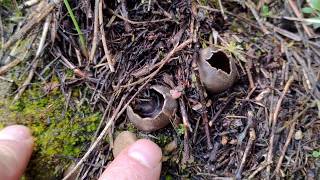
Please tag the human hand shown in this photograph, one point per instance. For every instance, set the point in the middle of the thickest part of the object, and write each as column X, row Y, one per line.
column 141, row 160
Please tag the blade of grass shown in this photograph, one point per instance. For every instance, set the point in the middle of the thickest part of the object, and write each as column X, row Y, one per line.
column 76, row 25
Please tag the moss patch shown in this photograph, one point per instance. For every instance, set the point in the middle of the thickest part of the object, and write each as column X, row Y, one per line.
column 61, row 134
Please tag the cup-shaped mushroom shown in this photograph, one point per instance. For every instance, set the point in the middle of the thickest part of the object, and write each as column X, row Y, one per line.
column 218, row 70
column 152, row 109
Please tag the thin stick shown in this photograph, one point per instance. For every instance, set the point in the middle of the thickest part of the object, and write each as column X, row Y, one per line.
column 260, row 168
column 285, row 147
column 27, row 81
column 248, row 69
column 163, row 62
column 221, row 9
column 1, row 32
column 30, row 24
column 274, row 122
column 298, row 14
column 43, row 36
column 95, row 30
column 251, row 6
column 186, row 150
column 36, row 60
column 184, row 115
column 138, row 22
column 103, row 38
column 7, row 67
column 99, row 138
column 213, row 119
column 124, row 13
column 252, row 138
column 186, row 123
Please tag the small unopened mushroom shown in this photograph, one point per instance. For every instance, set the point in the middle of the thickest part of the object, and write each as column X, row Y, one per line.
column 217, row 70
column 153, row 109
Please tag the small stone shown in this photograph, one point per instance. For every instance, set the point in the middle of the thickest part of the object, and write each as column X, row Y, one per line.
column 175, row 94
column 209, row 103
column 197, row 107
column 233, row 141
column 171, row 146
column 298, row 135
column 122, row 141
column 224, row 140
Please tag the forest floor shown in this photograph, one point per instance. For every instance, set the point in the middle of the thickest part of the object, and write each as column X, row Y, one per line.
column 69, row 70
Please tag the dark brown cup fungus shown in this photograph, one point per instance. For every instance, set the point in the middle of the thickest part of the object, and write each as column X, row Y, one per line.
column 154, row 110
column 217, row 70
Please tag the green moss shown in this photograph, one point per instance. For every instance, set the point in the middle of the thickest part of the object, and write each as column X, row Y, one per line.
column 6, row 3
column 60, row 133
column 11, row 5
column 131, row 128
column 163, row 139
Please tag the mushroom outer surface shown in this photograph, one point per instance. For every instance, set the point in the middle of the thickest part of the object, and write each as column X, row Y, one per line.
column 161, row 119
column 214, row 79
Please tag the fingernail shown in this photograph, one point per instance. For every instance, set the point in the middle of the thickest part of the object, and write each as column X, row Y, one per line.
column 15, row 132
column 146, row 153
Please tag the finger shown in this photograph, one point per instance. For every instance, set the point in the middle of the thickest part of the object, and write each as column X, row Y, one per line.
column 141, row 160
column 15, row 150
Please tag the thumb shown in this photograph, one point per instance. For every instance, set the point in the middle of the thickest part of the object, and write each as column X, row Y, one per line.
column 141, row 160
column 15, row 150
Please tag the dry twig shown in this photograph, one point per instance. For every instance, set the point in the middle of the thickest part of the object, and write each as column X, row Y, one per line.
column 95, row 30
column 299, row 15
column 252, row 137
column 30, row 24
column 285, row 147
column 274, row 123
column 103, row 38
column 252, row 8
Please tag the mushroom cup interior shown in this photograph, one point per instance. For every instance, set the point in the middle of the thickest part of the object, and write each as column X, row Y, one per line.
column 149, row 104
column 220, row 60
